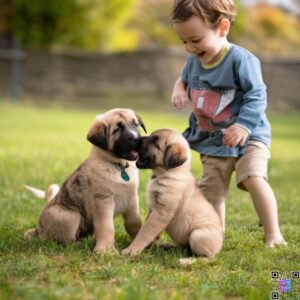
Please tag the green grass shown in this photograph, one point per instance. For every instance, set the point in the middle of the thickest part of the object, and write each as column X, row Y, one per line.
column 42, row 146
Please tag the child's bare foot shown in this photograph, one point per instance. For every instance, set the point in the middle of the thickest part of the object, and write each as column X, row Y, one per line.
column 275, row 240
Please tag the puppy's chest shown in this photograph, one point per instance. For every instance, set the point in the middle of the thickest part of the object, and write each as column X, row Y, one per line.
column 113, row 179
column 121, row 204
column 163, row 193
column 157, row 195
column 123, row 177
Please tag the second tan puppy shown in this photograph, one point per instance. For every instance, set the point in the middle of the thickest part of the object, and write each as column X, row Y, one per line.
column 175, row 202
column 103, row 186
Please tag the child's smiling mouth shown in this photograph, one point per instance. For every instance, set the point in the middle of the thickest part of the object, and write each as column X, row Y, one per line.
column 201, row 54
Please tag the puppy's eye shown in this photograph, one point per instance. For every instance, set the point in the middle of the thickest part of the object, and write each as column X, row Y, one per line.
column 119, row 128
column 135, row 123
column 154, row 141
column 116, row 130
column 156, row 144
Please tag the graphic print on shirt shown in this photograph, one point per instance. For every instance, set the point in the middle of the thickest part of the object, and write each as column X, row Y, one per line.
column 211, row 107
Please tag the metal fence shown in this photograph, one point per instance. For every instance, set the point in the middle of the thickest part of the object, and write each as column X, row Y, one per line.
column 11, row 57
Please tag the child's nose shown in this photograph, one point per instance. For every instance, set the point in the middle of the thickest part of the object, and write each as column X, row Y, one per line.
column 190, row 47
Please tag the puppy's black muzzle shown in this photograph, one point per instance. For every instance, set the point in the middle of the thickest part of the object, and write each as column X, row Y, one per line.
column 128, row 144
column 145, row 160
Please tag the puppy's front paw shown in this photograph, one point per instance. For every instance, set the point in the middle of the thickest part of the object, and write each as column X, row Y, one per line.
column 126, row 251
column 130, row 252
column 104, row 248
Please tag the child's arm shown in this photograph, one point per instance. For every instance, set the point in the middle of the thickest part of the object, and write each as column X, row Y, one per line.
column 254, row 104
column 179, row 96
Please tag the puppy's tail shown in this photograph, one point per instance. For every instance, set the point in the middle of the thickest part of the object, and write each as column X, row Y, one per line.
column 51, row 192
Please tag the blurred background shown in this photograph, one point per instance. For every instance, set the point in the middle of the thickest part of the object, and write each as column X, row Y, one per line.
column 106, row 53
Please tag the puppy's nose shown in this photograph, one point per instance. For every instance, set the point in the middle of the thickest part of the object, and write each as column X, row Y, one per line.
column 136, row 140
column 139, row 142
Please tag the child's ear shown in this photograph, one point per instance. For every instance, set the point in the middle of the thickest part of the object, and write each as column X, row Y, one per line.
column 224, row 27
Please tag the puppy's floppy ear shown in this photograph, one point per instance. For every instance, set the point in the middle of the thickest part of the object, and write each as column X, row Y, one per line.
column 141, row 123
column 98, row 136
column 175, row 156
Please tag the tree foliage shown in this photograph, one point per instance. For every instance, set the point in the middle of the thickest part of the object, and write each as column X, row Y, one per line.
column 42, row 23
column 154, row 26
column 153, row 23
column 91, row 24
column 114, row 25
column 270, row 30
column 109, row 19
column 237, row 30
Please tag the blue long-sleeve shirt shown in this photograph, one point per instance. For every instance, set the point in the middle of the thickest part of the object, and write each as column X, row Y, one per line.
column 233, row 92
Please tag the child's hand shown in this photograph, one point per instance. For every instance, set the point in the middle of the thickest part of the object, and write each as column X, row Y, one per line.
column 179, row 99
column 234, row 136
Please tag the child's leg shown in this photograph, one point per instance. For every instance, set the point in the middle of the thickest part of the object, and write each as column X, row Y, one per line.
column 266, row 207
column 251, row 171
column 215, row 181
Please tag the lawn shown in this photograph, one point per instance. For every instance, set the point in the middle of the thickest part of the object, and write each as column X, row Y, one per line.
column 42, row 146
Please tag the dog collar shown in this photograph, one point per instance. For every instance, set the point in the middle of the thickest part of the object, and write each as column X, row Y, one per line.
column 124, row 175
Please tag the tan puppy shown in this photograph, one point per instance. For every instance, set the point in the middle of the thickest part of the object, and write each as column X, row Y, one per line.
column 175, row 202
column 102, row 187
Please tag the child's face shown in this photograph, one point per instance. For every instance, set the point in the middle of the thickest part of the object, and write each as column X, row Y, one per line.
column 201, row 40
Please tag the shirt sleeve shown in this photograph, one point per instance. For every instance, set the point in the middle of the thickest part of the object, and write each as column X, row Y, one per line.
column 185, row 71
column 254, row 93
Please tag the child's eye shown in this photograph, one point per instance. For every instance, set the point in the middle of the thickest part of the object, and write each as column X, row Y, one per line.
column 183, row 42
column 196, row 41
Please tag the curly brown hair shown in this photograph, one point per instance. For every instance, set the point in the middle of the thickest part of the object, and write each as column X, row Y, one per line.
column 211, row 11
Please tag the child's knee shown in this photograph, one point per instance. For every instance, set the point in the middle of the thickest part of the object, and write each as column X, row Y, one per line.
column 251, row 182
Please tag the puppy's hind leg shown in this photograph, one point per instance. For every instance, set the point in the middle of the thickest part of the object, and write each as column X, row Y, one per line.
column 206, row 242
column 59, row 224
